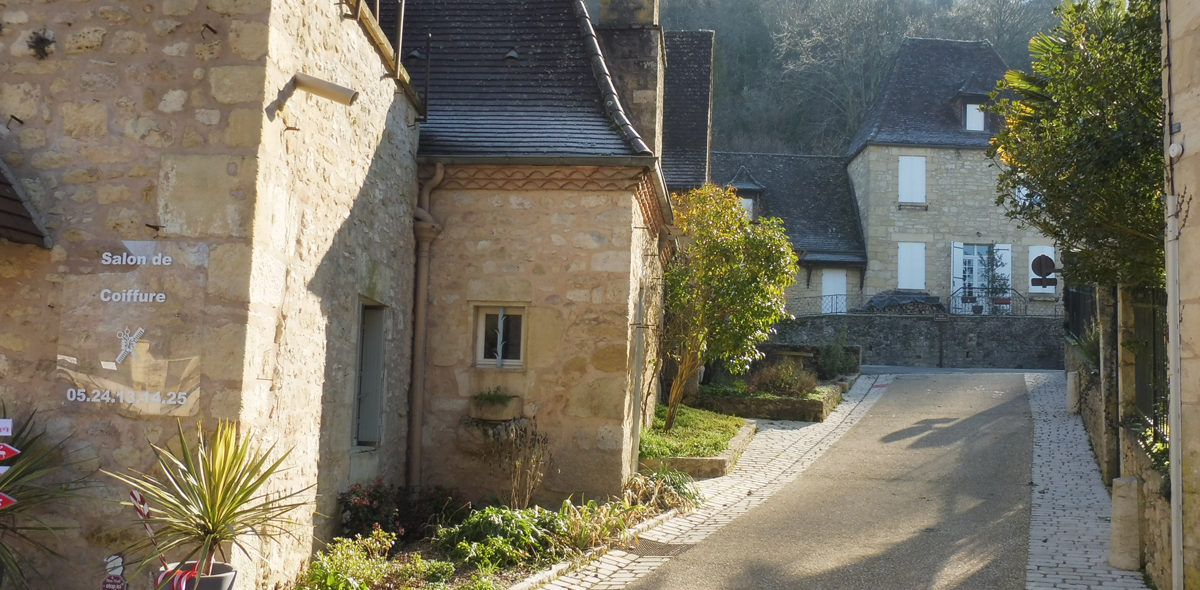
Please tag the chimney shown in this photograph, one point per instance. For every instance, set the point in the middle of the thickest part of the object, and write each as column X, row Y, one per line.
column 635, row 53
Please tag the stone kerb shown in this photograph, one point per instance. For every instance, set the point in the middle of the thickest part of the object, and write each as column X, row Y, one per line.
column 706, row 467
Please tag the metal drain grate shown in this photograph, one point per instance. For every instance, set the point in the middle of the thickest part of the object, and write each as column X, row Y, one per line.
column 648, row 548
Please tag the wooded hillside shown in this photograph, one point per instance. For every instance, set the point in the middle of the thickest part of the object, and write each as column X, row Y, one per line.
column 797, row 76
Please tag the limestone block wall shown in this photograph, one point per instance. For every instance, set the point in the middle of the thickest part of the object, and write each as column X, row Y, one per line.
column 960, row 200
column 156, row 130
column 566, row 258
column 1183, row 77
column 332, row 232
column 125, row 135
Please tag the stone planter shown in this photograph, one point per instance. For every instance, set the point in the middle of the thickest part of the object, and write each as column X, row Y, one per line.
column 804, row 410
column 704, row 467
column 489, row 410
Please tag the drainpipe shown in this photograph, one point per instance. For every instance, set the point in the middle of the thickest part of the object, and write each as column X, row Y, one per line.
column 426, row 229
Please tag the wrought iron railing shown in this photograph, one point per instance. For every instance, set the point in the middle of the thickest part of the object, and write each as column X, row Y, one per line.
column 964, row 302
column 1149, row 348
column 987, row 301
column 1080, row 305
column 824, row 304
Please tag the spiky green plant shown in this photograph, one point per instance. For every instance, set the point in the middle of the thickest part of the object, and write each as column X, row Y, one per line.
column 35, row 479
column 210, row 494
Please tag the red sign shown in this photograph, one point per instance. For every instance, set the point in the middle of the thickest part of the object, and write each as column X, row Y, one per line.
column 8, row 451
column 6, row 500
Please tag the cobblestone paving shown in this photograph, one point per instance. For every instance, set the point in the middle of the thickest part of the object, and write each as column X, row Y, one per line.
column 779, row 452
column 1069, row 528
column 1069, row 525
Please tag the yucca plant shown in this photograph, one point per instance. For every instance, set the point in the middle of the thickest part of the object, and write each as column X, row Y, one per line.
column 35, row 479
column 209, row 494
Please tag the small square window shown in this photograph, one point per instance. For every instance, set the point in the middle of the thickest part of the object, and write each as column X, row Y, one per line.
column 498, row 341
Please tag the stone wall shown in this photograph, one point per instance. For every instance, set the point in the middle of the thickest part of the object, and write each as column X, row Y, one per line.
column 1182, row 32
column 1155, row 508
column 571, row 260
column 959, row 207
column 924, row 341
column 167, row 129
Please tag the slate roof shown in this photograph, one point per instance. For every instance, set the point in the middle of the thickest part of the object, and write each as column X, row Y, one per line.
column 917, row 104
column 687, row 109
column 813, row 196
column 512, row 80
column 18, row 219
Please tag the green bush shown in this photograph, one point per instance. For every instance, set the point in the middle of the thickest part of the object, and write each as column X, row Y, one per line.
column 395, row 510
column 783, row 378
column 498, row 537
column 350, row 564
column 833, row 359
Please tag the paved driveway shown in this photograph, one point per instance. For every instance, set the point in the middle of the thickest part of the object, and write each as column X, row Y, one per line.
column 929, row 490
column 916, row 481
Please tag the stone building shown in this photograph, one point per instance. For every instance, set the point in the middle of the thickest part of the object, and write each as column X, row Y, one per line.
column 813, row 197
column 925, row 187
column 1181, row 80
column 545, row 270
column 243, row 210
column 222, row 242
column 911, row 207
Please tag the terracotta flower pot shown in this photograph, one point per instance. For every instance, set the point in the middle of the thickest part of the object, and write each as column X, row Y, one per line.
column 222, row 578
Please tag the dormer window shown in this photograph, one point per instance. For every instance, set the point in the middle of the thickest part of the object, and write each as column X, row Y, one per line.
column 749, row 202
column 973, row 117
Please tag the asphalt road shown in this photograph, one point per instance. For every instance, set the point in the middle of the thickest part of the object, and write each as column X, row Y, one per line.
column 930, row 490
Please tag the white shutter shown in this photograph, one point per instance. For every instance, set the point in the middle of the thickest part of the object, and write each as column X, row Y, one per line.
column 912, row 179
column 1004, row 262
column 910, row 265
column 956, row 267
column 1034, row 252
column 974, row 117
column 833, row 290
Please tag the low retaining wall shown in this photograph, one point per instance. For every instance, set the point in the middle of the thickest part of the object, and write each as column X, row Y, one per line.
column 804, row 410
column 705, row 467
column 992, row 342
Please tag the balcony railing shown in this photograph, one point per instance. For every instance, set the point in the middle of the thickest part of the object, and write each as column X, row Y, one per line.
column 975, row 301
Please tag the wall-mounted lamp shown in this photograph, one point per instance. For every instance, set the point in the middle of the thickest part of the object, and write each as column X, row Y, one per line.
column 324, row 89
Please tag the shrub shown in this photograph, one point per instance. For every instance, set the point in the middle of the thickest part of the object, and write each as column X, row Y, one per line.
column 663, row 489
column 782, row 378
column 590, row 524
column 498, row 537
column 350, row 564
column 394, row 510
column 833, row 359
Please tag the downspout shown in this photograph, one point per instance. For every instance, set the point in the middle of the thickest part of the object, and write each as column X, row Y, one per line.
column 426, row 229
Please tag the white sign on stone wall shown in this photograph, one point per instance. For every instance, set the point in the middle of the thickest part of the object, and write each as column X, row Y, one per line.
column 133, row 327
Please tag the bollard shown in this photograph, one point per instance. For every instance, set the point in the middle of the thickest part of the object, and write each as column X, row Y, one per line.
column 1125, row 539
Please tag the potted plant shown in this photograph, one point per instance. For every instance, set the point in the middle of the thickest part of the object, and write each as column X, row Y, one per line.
column 493, row 405
column 34, row 478
column 205, row 496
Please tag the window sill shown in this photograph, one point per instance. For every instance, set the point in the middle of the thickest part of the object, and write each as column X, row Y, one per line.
column 507, row 368
column 912, row 206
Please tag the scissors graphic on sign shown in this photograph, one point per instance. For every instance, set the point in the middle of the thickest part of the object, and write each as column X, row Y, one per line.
column 128, row 343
